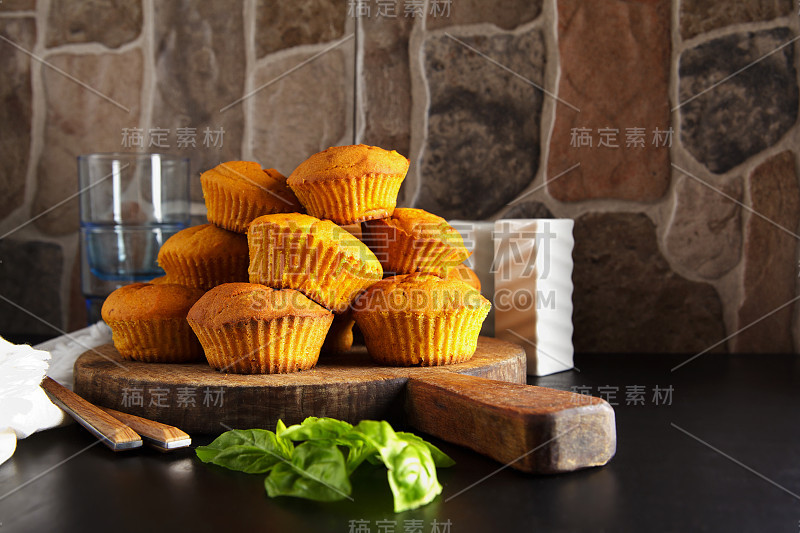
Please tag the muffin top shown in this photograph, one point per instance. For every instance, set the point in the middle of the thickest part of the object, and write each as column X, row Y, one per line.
column 139, row 301
column 421, row 224
column 265, row 184
column 234, row 303
column 352, row 161
column 322, row 229
column 205, row 240
column 419, row 293
column 463, row 273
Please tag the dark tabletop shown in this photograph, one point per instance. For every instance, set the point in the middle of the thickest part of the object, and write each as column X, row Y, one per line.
column 712, row 446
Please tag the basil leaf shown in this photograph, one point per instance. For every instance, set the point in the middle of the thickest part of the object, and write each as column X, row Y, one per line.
column 411, row 469
column 380, row 434
column 412, row 477
column 313, row 428
column 252, row 451
column 286, row 445
column 375, row 460
column 440, row 459
column 333, row 432
column 358, row 452
column 316, row 471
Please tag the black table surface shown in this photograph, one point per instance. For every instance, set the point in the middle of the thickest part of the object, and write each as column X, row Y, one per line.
column 712, row 446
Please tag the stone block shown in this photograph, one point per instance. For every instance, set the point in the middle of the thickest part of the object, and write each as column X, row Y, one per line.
column 482, row 146
column 17, row 5
column 109, row 22
column 30, row 277
column 615, row 69
column 627, row 299
column 705, row 232
column 286, row 24
column 15, row 93
column 505, row 14
column 83, row 116
column 735, row 99
column 200, row 71
column 302, row 113
column 700, row 16
column 770, row 255
column 387, row 82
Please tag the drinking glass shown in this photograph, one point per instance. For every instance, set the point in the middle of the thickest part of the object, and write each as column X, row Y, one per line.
column 130, row 203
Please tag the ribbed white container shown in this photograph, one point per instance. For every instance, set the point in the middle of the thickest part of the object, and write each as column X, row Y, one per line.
column 533, row 290
column 525, row 269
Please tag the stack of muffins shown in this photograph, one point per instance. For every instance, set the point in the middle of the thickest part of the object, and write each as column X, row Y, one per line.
column 264, row 287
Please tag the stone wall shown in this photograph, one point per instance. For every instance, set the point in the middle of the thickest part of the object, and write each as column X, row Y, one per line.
column 666, row 128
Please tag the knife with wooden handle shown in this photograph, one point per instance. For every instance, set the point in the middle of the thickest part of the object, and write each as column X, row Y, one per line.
column 108, row 429
column 161, row 436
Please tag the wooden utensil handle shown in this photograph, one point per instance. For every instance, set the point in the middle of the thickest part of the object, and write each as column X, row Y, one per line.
column 533, row 429
column 160, row 435
column 108, row 429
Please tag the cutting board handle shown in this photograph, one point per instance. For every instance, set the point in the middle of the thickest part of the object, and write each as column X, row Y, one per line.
column 533, row 429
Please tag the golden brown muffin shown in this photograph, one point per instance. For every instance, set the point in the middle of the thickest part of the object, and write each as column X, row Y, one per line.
column 413, row 240
column 420, row 319
column 236, row 192
column 463, row 273
column 148, row 322
column 204, row 256
column 316, row 257
column 350, row 184
column 159, row 280
column 340, row 336
column 246, row 328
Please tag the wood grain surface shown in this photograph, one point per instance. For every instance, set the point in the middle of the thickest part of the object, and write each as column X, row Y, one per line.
column 198, row 399
column 111, row 432
column 533, row 429
column 161, row 436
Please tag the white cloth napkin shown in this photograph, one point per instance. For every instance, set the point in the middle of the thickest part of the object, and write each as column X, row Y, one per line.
column 67, row 348
column 24, row 406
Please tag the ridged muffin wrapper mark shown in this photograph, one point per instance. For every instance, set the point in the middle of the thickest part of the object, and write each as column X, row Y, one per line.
column 277, row 346
column 350, row 200
column 284, row 258
column 426, row 339
column 234, row 211
column 401, row 253
column 204, row 273
column 156, row 341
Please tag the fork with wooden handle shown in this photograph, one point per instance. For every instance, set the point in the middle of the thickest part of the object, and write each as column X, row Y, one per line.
column 119, row 431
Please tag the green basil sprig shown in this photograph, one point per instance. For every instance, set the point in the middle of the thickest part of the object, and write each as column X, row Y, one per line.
column 330, row 451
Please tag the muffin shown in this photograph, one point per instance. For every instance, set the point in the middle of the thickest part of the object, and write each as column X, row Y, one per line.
column 463, row 273
column 413, row 240
column 420, row 319
column 316, row 257
column 236, row 192
column 348, row 184
column 204, row 256
column 148, row 322
column 340, row 336
column 246, row 328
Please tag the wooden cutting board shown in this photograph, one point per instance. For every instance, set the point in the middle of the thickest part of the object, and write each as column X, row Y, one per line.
column 482, row 403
